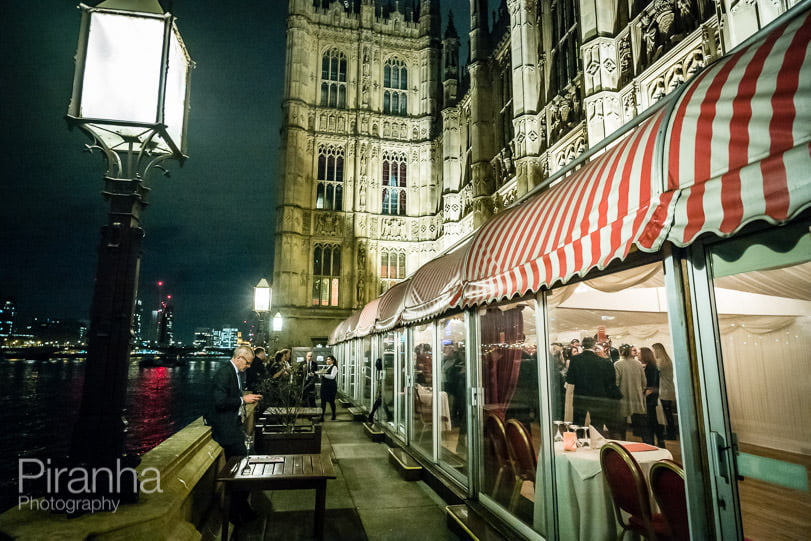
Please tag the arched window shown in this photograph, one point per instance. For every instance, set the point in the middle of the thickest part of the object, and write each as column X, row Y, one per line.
column 329, row 188
column 394, row 183
column 326, row 274
column 333, row 79
column 395, row 87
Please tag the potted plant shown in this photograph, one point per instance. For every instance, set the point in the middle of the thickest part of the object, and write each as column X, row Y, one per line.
column 281, row 429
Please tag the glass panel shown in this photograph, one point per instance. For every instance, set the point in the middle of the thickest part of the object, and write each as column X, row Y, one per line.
column 339, row 169
column 402, row 175
column 402, row 209
column 395, row 78
column 350, row 371
column 319, row 196
column 366, row 373
column 402, row 385
column 384, row 414
column 386, row 105
column 509, row 371
column 452, row 380
column 339, row 197
column 423, row 392
column 325, row 67
column 334, row 298
column 404, row 104
column 404, row 79
column 333, row 96
column 342, row 73
column 317, row 260
column 330, row 197
column 387, row 76
column 336, row 262
column 323, row 290
column 333, row 69
column 599, row 332
column 342, row 96
column 401, row 270
column 764, row 319
column 395, row 102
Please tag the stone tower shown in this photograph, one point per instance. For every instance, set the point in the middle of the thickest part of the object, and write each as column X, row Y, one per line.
column 358, row 196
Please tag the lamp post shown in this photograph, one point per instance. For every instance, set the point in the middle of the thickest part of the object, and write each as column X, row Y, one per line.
column 130, row 95
column 262, row 295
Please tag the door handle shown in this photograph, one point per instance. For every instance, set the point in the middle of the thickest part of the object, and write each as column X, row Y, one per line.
column 721, row 449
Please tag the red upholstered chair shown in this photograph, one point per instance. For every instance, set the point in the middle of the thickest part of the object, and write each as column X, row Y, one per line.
column 497, row 458
column 667, row 484
column 629, row 492
column 519, row 444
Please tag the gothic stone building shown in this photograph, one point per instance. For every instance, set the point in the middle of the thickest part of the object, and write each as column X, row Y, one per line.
column 392, row 154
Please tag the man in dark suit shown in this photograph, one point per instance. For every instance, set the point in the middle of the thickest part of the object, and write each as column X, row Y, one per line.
column 591, row 376
column 224, row 418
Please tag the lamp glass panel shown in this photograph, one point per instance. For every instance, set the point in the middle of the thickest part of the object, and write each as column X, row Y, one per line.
column 177, row 79
column 277, row 322
column 261, row 299
column 123, row 68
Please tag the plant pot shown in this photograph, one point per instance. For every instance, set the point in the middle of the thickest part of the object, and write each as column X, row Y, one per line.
column 300, row 439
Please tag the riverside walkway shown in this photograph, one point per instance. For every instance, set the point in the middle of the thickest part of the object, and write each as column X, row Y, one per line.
column 368, row 500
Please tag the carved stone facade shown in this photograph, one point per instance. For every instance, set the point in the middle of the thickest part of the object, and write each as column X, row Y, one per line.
column 428, row 152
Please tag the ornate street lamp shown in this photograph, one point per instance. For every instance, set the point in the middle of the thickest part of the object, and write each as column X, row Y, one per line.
column 262, row 294
column 131, row 95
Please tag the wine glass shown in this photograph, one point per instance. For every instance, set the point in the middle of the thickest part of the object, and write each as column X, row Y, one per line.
column 584, row 441
column 574, row 428
column 558, row 435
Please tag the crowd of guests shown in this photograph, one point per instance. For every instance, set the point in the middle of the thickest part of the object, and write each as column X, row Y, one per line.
column 617, row 387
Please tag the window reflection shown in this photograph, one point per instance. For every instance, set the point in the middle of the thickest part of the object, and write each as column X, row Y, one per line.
column 511, row 432
column 452, row 380
column 423, row 392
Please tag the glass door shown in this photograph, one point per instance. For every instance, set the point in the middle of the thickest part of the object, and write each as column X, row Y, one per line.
column 757, row 386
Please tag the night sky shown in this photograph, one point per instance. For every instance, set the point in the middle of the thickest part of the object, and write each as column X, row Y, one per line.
column 209, row 227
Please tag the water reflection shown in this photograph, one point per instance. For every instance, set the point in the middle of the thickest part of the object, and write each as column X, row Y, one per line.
column 39, row 402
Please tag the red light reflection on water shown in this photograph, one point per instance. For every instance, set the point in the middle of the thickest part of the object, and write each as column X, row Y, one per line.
column 149, row 408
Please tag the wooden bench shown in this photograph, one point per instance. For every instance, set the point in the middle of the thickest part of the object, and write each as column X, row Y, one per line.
column 373, row 432
column 409, row 469
column 468, row 525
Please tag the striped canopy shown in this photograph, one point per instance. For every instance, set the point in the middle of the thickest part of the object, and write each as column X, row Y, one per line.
column 434, row 286
column 592, row 217
column 738, row 140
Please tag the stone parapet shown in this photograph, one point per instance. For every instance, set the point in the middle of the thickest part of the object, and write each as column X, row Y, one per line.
column 188, row 463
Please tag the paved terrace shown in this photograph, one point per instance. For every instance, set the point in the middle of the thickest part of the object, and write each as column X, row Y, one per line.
column 368, row 500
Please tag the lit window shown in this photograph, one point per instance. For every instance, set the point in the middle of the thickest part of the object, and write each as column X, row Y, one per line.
column 329, row 189
column 394, row 183
column 326, row 274
column 395, row 87
column 333, row 79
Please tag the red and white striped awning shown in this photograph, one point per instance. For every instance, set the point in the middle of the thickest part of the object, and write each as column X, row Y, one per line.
column 338, row 333
column 391, row 306
column 737, row 148
column 435, row 286
column 366, row 319
column 589, row 219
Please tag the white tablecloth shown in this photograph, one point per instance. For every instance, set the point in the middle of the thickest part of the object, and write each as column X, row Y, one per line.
column 585, row 506
column 427, row 401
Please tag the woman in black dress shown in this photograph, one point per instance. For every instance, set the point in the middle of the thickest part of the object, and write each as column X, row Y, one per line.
column 329, row 386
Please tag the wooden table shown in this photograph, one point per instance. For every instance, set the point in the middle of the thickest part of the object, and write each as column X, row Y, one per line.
column 278, row 472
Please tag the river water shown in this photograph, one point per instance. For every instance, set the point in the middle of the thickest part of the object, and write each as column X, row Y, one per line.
column 39, row 402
